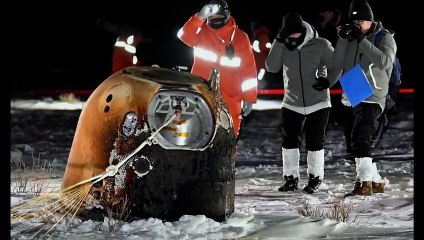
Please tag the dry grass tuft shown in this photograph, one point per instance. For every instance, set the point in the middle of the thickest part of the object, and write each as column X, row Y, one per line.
column 336, row 210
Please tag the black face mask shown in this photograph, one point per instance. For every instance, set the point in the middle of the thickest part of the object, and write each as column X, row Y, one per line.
column 293, row 43
column 217, row 23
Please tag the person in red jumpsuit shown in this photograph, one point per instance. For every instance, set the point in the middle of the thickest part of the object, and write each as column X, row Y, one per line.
column 124, row 51
column 261, row 44
column 218, row 43
column 127, row 42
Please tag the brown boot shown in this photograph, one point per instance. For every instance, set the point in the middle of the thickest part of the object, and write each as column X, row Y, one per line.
column 377, row 182
column 361, row 188
column 378, row 187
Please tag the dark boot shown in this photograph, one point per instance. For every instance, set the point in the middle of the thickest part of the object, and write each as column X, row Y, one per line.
column 361, row 188
column 290, row 185
column 313, row 184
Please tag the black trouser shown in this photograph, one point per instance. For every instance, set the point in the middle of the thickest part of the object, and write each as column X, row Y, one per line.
column 360, row 124
column 314, row 125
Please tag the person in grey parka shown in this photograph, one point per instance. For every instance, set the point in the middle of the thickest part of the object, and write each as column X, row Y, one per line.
column 306, row 60
column 356, row 46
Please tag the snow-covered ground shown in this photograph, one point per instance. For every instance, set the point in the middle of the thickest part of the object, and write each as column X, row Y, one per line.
column 42, row 129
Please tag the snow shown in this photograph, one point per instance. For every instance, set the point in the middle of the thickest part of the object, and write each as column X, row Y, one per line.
column 47, row 103
column 261, row 211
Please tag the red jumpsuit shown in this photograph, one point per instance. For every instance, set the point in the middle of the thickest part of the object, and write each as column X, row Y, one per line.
column 261, row 48
column 124, row 52
column 237, row 75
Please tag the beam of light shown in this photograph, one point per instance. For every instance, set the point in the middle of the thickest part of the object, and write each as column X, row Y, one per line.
column 130, row 39
column 279, row 91
column 130, row 49
column 249, row 84
column 234, row 62
column 120, row 44
column 205, row 54
column 32, row 104
column 261, row 74
column 255, row 46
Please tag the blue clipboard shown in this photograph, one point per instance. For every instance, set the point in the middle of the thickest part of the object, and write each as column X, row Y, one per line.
column 355, row 85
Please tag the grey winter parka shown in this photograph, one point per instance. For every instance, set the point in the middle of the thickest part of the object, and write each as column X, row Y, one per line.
column 312, row 59
column 376, row 62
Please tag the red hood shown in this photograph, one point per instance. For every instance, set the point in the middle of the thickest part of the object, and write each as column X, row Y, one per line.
column 226, row 31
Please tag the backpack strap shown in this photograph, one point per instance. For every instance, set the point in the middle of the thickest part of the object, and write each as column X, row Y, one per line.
column 380, row 35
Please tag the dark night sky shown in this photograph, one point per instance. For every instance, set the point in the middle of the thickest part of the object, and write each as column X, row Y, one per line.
column 67, row 50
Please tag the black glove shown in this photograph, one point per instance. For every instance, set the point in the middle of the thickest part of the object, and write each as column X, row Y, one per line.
column 357, row 34
column 321, row 84
column 346, row 31
column 280, row 37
